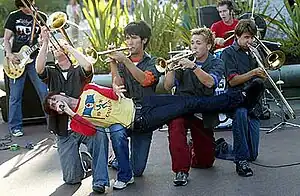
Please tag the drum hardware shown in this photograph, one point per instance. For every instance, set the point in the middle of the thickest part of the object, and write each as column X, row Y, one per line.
column 283, row 115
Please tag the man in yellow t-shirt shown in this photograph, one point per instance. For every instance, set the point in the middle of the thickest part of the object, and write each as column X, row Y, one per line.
column 99, row 106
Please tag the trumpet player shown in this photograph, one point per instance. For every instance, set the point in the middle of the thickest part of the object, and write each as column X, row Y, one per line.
column 138, row 77
column 240, row 70
column 197, row 78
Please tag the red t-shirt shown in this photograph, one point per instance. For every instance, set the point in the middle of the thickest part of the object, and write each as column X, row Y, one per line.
column 220, row 28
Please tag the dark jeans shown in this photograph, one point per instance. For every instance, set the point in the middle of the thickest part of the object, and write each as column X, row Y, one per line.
column 245, row 130
column 160, row 109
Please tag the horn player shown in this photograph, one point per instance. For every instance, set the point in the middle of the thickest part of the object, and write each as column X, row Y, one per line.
column 197, row 78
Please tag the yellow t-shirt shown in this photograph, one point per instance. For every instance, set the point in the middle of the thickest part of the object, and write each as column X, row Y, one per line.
column 100, row 106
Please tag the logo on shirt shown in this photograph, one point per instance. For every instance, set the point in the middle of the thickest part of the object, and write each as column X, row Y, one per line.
column 100, row 108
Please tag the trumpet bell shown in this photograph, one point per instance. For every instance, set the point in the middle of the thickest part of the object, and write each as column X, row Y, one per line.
column 275, row 59
column 161, row 65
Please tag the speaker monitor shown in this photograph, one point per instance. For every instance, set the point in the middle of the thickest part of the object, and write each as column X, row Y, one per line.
column 207, row 15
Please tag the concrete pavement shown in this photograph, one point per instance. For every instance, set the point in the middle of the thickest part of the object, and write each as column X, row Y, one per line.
column 37, row 171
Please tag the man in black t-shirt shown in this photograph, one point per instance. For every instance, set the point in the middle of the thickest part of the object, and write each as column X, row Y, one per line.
column 20, row 27
column 65, row 77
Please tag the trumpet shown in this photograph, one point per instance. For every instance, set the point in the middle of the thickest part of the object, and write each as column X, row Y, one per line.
column 162, row 64
column 98, row 55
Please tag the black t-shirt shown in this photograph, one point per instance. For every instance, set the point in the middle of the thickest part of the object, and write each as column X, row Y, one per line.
column 77, row 78
column 21, row 25
column 133, row 88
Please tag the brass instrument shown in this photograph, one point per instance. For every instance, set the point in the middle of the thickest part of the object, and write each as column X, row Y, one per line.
column 275, row 60
column 162, row 64
column 57, row 21
column 106, row 52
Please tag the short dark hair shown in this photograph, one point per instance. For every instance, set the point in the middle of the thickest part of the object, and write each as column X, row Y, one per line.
column 141, row 29
column 46, row 105
column 245, row 26
column 226, row 2
column 20, row 4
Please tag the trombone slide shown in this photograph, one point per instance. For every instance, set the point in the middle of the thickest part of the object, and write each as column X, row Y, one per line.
column 260, row 64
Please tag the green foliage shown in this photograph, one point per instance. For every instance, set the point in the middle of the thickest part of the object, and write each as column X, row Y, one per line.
column 291, row 50
column 163, row 22
column 292, row 28
column 106, row 21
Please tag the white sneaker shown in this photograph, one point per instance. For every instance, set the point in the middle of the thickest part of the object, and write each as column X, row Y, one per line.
column 17, row 133
column 119, row 185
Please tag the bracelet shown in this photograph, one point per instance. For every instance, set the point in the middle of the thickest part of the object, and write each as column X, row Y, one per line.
column 194, row 67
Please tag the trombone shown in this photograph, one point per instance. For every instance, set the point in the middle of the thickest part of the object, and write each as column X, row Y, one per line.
column 274, row 60
column 35, row 18
column 162, row 65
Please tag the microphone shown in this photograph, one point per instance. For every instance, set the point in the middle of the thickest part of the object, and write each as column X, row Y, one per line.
column 62, row 107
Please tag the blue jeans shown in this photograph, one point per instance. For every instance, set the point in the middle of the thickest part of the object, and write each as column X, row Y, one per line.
column 245, row 130
column 15, row 116
column 160, row 109
column 68, row 150
column 140, row 145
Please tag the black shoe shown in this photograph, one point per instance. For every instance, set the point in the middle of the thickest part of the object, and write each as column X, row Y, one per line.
column 99, row 189
column 86, row 161
column 181, row 179
column 243, row 169
column 253, row 92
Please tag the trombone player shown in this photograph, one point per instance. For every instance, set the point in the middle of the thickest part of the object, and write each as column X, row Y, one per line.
column 240, row 69
column 63, row 76
column 197, row 77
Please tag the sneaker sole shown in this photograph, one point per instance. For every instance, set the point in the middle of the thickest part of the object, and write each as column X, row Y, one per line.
column 18, row 134
column 179, row 183
column 128, row 183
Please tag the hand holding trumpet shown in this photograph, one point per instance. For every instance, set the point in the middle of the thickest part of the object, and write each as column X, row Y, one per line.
column 186, row 63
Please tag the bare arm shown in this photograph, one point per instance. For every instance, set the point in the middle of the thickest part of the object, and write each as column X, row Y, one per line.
column 202, row 76
column 138, row 74
column 240, row 79
column 135, row 71
column 42, row 55
column 81, row 58
column 116, row 78
column 8, row 34
column 169, row 80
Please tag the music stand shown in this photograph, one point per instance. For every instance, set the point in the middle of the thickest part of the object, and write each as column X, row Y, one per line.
column 284, row 116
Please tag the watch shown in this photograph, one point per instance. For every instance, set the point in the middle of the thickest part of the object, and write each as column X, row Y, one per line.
column 194, row 67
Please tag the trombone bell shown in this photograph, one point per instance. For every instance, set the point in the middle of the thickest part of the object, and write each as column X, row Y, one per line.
column 275, row 59
column 57, row 20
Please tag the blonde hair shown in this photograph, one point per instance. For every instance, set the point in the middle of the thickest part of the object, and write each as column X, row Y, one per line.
column 206, row 33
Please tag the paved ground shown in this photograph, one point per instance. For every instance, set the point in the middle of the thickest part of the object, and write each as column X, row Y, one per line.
column 37, row 171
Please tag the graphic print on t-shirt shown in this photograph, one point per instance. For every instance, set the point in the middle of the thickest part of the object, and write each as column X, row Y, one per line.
column 23, row 30
column 101, row 108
